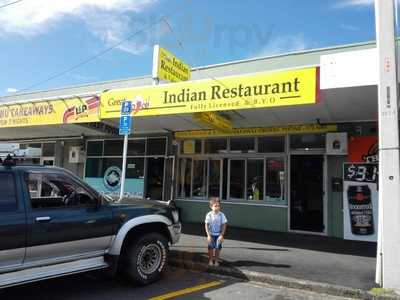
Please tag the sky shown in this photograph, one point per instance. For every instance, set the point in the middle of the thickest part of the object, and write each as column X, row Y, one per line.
column 47, row 44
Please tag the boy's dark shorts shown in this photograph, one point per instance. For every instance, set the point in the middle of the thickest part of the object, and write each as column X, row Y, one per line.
column 214, row 244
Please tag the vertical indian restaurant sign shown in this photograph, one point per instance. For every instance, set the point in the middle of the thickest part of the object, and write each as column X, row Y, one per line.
column 259, row 90
column 166, row 66
column 51, row 112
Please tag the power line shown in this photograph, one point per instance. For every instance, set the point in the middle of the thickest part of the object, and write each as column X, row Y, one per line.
column 11, row 3
column 92, row 58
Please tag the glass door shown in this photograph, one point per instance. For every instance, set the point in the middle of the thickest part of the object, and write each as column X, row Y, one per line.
column 306, row 193
column 237, row 179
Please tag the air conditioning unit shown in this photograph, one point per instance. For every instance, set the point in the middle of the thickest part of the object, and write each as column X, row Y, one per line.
column 336, row 143
column 76, row 155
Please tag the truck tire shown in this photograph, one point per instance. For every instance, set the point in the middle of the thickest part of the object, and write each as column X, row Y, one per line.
column 146, row 258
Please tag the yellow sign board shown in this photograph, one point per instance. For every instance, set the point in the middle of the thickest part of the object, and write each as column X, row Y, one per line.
column 214, row 120
column 166, row 66
column 188, row 147
column 258, row 131
column 68, row 111
column 260, row 90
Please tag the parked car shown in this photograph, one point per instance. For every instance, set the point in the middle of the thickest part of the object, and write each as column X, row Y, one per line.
column 53, row 224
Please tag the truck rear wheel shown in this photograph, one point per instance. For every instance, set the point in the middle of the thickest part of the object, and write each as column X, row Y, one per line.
column 146, row 258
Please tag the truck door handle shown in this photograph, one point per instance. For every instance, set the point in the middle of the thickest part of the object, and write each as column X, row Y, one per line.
column 43, row 219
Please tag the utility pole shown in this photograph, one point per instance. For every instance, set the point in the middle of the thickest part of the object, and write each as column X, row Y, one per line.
column 388, row 258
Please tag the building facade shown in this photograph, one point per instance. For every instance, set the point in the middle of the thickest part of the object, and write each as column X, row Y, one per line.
column 273, row 153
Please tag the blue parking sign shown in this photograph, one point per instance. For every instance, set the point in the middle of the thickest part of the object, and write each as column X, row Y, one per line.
column 126, row 107
column 125, row 124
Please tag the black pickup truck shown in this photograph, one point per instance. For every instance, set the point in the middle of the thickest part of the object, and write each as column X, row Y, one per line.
column 54, row 224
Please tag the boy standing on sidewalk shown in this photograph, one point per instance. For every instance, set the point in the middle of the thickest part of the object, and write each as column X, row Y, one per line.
column 215, row 225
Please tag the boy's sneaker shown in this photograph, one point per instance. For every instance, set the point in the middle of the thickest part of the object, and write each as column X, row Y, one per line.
column 210, row 263
column 216, row 263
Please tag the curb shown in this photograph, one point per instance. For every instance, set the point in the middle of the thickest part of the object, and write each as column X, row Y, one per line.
column 190, row 261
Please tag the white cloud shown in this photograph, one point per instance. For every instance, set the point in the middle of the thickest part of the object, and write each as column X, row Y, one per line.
column 109, row 20
column 283, row 44
column 11, row 90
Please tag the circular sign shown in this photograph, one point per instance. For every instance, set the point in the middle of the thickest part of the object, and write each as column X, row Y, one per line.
column 112, row 178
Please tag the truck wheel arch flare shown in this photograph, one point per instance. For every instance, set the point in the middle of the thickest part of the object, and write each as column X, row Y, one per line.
column 116, row 244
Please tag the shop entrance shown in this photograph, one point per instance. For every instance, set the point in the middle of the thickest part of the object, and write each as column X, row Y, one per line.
column 307, row 193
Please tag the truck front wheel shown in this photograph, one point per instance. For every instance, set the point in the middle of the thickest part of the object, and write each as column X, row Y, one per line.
column 146, row 258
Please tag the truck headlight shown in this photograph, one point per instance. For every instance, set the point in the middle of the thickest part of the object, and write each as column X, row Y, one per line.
column 175, row 215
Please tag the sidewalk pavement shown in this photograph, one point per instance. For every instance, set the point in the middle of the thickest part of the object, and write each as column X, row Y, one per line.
column 283, row 257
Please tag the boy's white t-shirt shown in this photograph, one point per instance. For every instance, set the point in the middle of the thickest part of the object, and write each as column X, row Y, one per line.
column 215, row 222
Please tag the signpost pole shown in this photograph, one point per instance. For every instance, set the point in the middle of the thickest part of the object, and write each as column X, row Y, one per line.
column 125, row 124
column 124, row 154
column 388, row 259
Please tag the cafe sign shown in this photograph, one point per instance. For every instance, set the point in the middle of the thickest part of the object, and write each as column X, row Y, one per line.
column 258, row 90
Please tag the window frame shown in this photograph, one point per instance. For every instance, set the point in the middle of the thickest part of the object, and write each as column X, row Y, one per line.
column 94, row 195
column 17, row 204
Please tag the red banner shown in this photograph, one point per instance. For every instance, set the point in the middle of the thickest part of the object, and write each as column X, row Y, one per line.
column 363, row 149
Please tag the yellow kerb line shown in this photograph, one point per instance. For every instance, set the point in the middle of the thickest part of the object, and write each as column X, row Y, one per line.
column 187, row 290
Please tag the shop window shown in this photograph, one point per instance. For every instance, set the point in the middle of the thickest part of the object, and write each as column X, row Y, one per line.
column 113, row 147
column 136, row 147
column 34, row 150
column 307, row 141
column 168, row 178
column 191, row 147
column 49, row 149
column 225, row 178
column 155, row 178
column 215, row 146
column 271, row 144
column 104, row 174
column 156, row 146
column 134, row 167
column 28, row 161
column 243, row 145
column 94, row 167
column 237, row 179
column 255, row 179
column 8, row 199
column 94, row 148
column 214, row 181
column 275, row 181
column 199, row 179
column 184, row 177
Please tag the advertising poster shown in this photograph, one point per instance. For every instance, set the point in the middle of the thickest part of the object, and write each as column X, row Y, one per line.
column 110, row 183
column 363, row 149
column 360, row 201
